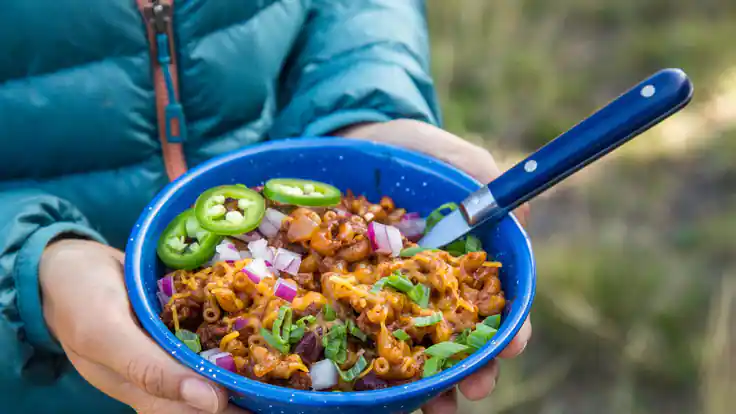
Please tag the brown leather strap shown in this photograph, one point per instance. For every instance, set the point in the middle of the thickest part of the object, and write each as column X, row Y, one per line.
column 173, row 152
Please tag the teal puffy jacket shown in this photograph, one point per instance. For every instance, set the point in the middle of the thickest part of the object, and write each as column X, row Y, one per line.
column 86, row 140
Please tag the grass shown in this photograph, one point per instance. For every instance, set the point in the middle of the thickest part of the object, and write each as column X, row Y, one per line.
column 636, row 299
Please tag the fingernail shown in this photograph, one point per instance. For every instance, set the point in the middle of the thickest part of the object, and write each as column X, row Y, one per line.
column 523, row 348
column 199, row 395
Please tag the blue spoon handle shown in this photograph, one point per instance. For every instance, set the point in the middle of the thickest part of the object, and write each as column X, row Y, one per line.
column 627, row 116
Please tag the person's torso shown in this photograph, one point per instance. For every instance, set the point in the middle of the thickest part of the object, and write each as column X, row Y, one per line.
column 78, row 113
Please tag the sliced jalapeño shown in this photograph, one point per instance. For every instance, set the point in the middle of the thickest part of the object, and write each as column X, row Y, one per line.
column 230, row 209
column 184, row 244
column 300, row 192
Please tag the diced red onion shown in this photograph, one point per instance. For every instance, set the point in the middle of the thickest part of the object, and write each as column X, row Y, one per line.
column 323, row 374
column 372, row 236
column 285, row 290
column 239, row 323
column 411, row 216
column 226, row 251
column 221, row 359
column 287, row 261
column 412, row 226
column 244, row 254
column 210, row 353
column 225, row 361
column 394, row 240
column 248, row 237
column 257, row 270
column 260, row 250
column 385, row 239
column 162, row 299
column 271, row 223
column 342, row 213
column 166, row 285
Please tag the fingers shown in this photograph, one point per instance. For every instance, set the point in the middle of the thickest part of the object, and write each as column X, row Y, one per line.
column 518, row 344
column 118, row 388
column 99, row 326
column 133, row 355
column 522, row 213
column 444, row 404
column 481, row 383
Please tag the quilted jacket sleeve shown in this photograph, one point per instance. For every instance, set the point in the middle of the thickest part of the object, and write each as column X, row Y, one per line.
column 34, row 372
column 357, row 61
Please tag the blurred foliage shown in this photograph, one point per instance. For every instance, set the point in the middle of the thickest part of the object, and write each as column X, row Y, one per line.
column 636, row 301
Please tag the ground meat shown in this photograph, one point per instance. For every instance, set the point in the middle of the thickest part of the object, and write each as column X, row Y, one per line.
column 280, row 240
column 210, row 335
column 300, row 380
column 247, row 370
column 312, row 309
column 333, row 264
column 188, row 312
column 307, row 281
column 366, row 325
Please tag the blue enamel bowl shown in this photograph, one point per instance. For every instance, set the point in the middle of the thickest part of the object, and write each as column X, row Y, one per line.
column 415, row 181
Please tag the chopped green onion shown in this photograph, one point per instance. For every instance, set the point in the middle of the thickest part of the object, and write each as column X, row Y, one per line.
column 280, row 336
column 432, row 366
column 268, row 336
column 412, row 251
column 456, row 248
column 379, row 285
column 282, row 325
column 438, row 214
column 329, row 313
column 305, row 321
column 355, row 331
column 464, row 245
column 428, row 320
column 463, row 337
column 354, row 371
column 401, row 335
column 420, row 295
column 472, row 244
column 336, row 344
column 190, row 339
column 296, row 334
column 445, row 349
column 400, row 282
column 482, row 334
column 494, row 321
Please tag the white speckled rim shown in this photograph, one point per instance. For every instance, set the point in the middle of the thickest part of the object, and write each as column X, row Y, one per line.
column 445, row 379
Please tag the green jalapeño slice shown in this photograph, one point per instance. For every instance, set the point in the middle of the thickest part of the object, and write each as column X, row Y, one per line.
column 230, row 209
column 184, row 244
column 301, row 192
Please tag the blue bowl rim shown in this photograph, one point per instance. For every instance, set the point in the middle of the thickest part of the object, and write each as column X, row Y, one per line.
column 151, row 322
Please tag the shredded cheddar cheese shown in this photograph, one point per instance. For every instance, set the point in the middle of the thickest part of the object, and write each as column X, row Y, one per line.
column 365, row 318
column 227, row 338
column 175, row 317
column 367, row 370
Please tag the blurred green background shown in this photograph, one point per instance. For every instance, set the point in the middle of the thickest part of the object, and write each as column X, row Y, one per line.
column 636, row 301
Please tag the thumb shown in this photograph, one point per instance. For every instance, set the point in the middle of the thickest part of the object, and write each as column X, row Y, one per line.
column 139, row 360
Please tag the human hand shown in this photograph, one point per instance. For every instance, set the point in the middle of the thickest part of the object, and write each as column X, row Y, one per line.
column 86, row 307
column 480, row 164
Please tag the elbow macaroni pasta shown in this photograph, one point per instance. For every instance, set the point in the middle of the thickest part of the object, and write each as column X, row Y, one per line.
column 228, row 310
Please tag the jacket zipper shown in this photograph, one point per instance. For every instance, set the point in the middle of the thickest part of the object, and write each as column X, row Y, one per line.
column 171, row 122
